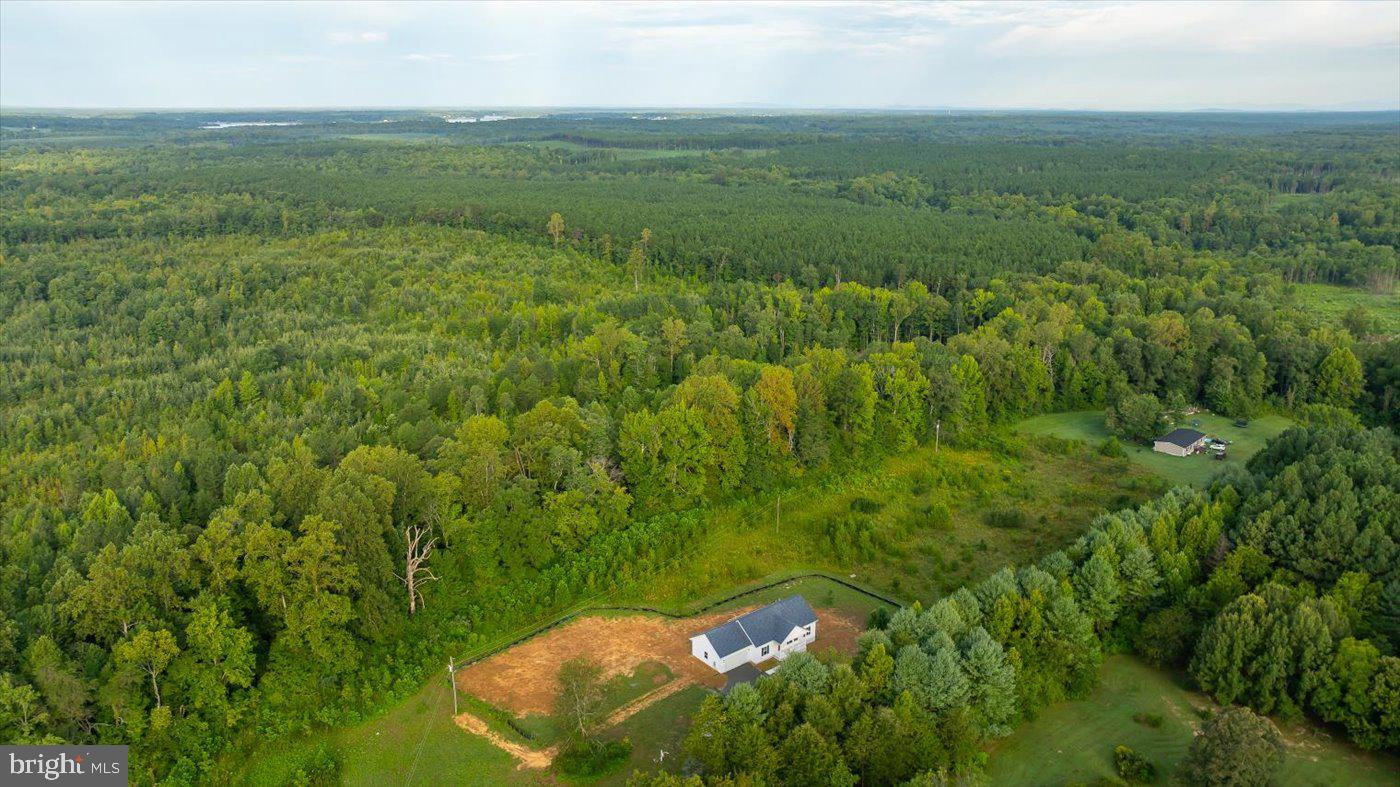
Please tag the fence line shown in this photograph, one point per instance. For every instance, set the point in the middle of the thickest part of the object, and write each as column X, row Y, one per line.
column 588, row 610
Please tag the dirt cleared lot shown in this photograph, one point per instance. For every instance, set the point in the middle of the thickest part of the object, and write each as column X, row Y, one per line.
column 524, row 679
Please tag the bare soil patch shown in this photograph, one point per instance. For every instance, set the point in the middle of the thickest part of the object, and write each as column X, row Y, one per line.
column 524, row 679
column 529, row 758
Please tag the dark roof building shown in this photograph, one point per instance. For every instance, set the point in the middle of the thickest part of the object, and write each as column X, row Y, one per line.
column 728, row 638
column 1182, row 437
column 767, row 624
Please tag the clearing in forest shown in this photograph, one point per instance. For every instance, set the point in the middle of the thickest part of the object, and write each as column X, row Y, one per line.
column 524, row 679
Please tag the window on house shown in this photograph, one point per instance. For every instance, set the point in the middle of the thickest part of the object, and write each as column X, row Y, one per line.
column 764, row 652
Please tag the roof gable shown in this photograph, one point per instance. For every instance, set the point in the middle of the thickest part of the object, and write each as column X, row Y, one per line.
column 766, row 624
column 728, row 638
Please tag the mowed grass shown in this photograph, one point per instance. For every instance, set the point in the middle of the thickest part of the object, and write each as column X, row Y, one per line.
column 659, row 728
column 1332, row 302
column 415, row 743
column 928, row 515
column 1198, row 470
column 1073, row 742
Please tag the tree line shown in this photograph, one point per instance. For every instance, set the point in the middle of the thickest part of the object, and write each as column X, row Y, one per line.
column 1193, row 577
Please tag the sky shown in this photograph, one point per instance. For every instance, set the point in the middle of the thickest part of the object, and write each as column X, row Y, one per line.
column 1005, row 55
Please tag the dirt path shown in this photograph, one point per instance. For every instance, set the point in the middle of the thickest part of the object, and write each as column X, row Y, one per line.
column 645, row 701
column 529, row 758
column 542, row 758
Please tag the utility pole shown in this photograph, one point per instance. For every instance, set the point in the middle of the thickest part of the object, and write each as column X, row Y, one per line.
column 937, row 432
column 452, row 680
column 778, row 515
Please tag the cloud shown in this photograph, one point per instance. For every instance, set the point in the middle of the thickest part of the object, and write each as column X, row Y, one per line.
column 419, row 57
column 362, row 37
column 1231, row 27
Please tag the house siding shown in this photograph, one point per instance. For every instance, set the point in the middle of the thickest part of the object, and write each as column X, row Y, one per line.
column 743, row 635
column 1165, row 447
column 701, row 648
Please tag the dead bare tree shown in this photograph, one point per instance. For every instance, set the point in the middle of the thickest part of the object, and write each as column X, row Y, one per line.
column 419, row 543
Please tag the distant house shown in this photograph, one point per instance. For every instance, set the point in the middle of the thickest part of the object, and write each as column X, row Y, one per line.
column 1180, row 442
column 772, row 632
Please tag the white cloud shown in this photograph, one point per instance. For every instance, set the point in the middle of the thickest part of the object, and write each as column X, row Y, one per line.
column 439, row 57
column 1233, row 27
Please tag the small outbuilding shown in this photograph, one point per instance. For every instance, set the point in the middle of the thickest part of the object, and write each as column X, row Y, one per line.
column 1180, row 442
column 772, row 632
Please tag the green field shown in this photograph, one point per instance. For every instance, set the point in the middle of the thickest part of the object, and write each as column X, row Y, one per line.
column 414, row 743
column 927, row 514
column 1074, row 741
column 1198, row 470
column 1333, row 301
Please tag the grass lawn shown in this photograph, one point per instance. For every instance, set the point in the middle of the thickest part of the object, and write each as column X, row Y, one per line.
column 1332, row 301
column 1198, row 470
column 655, row 729
column 415, row 743
column 1074, row 741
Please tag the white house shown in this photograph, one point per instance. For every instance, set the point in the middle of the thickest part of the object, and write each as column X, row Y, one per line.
column 1180, row 442
column 772, row 632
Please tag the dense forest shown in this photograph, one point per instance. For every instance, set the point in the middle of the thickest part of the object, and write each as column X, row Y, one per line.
column 289, row 413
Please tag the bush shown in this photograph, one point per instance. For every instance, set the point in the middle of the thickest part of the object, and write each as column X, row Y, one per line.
column 937, row 516
column 1007, row 517
column 922, row 483
column 850, row 538
column 593, row 759
column 865, row 505
column 1133, row 767
column 1112, row 448
column 321, row 768
column 1152, row 720
column 879, row 618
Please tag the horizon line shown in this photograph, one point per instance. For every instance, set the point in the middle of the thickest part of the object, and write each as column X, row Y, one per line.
column 1244, row 109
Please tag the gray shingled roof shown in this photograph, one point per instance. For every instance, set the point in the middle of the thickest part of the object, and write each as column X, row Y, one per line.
column 728, row 638
column 1182, row 437
column 766, row 624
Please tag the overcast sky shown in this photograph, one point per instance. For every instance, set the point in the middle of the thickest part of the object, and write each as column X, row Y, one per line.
column 1113, row 55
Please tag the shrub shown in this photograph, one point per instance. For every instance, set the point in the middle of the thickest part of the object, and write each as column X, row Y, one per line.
column 1153, row 720
column 922, row 483
column 850, row 538
column 593, row 759
column 937, row 516
column 321, row 768
column 1133, row 767
column 1006, row 517
column 879, row 618
column 1110, row 447
column 865, row 505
